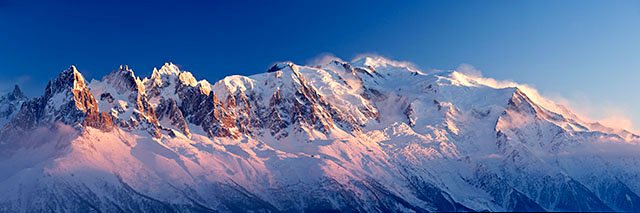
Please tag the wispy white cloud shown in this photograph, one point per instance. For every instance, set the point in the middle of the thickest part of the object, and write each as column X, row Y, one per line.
column 322, row 59
column 531, row 91
column 609, row 115
column 390, row 61
column 60, row 134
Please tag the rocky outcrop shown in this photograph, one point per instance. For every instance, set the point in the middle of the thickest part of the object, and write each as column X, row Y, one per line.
column 170, row 115
column 246, row 112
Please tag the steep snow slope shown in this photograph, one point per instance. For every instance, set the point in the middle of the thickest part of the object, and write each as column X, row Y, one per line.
column 370, row 135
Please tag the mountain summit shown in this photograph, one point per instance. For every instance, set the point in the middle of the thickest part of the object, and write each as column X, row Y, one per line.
column 371, row 135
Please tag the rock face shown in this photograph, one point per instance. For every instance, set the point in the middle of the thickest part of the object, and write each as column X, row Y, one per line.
column 66, row 99
column 371, row 135
column 170, row 115
column 10, row 104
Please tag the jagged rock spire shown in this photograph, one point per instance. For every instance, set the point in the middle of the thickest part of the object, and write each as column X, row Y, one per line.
column 67, row 99
column 69, row 79
column 279, row 66
column 124, row 79
column 16, row 94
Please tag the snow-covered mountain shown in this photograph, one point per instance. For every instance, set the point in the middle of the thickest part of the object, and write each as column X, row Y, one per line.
column 372, row 135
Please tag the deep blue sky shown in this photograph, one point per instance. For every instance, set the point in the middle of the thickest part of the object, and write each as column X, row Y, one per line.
column 585, row 51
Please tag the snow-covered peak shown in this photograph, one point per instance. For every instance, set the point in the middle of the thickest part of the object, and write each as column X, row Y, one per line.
column 187, row 78
column 235, row 84
column 78, row 79
column 373, row 61
column 457, row 78
column 168, row 69
column 169, row 74
column 158, row 76
column 69, row 79
column 124, row 80
column 280, row 65
column 525, row 97
column 124, row 67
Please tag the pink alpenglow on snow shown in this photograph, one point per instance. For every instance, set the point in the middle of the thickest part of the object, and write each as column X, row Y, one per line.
column 370, row 135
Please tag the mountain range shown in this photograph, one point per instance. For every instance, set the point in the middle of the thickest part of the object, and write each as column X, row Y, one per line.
column 369, row 135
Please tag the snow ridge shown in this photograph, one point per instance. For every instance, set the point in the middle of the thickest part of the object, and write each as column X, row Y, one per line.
column 372, row 135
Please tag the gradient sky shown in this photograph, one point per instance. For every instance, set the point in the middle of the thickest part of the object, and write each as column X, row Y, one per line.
column 587, row 52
